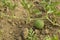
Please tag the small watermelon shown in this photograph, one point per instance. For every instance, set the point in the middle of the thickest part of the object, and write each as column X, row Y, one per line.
column 39, row 24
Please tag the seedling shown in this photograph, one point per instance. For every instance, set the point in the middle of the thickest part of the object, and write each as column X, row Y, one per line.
column 32, row 35
column 9, row 4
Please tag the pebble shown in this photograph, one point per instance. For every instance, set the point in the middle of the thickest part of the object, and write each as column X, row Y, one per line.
column 25, row 33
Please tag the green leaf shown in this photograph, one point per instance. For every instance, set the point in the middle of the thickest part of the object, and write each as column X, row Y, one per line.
column 39, row 24
column 47, row 38
column 55, row 37
column 57, row 13
column 36, row 11
column 24, row 4
column 31, row 35
column 50, row 11
column 11, row 6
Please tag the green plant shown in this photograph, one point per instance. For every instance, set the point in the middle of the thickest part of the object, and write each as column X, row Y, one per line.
column 47, row 38
column 32, row 35
column 27, row 5
column 50, row 8
column 9, row 4
column 39, row 24
column 48, row 5
column 54, row 37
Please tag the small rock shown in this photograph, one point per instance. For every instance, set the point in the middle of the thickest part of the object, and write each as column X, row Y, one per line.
column 11, row 32
column 47, row 31
column 37, row 31
column 25, row 33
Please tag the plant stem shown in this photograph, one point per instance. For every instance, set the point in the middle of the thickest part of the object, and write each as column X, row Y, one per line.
column 52, row 21
column 28, row 14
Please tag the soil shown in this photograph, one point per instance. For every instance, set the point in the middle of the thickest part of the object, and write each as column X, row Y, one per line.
column 17, row 29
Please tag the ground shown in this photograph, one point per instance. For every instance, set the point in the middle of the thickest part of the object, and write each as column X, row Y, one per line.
column 16, row 28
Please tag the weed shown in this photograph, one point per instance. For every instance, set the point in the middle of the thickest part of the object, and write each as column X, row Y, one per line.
column 50, row 8
column 32, row 35
column 47, row 38
column 9, row 4
column 48, row 5
column 54, row 37
column 28, row 7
